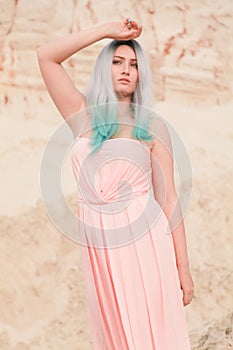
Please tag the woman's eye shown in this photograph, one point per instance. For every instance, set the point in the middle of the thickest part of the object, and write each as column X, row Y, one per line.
column 135, row 65
column 116, row 62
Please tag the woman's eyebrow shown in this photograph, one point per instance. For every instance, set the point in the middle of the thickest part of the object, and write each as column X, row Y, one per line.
column 132, row 59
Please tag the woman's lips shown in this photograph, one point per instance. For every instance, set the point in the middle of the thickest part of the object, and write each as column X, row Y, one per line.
column 123, row 80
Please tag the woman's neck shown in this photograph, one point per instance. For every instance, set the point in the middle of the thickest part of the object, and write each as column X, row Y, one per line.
column 124, row 108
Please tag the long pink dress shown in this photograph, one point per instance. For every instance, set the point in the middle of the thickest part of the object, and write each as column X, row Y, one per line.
column 132, row 284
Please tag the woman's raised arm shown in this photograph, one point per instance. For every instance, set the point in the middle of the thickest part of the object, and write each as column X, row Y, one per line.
column 67, row 98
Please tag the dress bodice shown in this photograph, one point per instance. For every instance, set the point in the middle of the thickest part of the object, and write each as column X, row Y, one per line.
column 120, row 170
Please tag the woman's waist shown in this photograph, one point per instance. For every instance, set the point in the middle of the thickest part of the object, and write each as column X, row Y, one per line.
column 105, row 199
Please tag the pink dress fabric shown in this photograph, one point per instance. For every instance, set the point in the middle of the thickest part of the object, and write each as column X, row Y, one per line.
column 132, row 284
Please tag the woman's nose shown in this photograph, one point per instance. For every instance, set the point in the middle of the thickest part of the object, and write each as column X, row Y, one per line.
column 126, row 68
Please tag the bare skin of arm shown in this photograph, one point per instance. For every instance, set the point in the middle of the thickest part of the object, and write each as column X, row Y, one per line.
column 66, row 96
column 165, row 194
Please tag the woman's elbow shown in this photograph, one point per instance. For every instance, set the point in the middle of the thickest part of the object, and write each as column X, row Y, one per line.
column 171, row 198
column 166, row 198
column 40, row 53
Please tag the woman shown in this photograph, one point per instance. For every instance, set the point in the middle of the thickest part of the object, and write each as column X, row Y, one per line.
column 137, row 276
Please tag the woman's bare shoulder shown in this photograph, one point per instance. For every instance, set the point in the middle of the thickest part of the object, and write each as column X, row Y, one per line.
column 158, row 125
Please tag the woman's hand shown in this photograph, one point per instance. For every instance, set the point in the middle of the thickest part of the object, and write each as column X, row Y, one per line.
column 127, row 30
column 186, row 284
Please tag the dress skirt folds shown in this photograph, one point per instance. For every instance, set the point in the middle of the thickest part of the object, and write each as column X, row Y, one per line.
column 132, row 283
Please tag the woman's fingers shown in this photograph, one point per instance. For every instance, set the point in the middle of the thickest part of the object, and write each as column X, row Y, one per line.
column 134, row 24
column 125, row 30
column 133, row 27
column 187, row 296
column 130, row 23
column 140, row 29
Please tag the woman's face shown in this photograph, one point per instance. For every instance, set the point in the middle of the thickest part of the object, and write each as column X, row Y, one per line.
column 124, row 72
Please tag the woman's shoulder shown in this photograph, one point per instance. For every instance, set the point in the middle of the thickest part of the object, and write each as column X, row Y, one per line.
column 157, row 124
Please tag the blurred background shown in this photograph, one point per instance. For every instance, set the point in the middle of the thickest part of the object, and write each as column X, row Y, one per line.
column 190, row 48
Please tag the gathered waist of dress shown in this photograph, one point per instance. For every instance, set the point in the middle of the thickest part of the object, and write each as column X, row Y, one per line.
column 102, row 200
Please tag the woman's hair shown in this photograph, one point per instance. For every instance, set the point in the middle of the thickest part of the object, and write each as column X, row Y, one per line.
column 102, row 101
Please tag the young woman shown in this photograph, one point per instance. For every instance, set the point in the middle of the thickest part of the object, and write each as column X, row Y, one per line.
column 137, row 276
